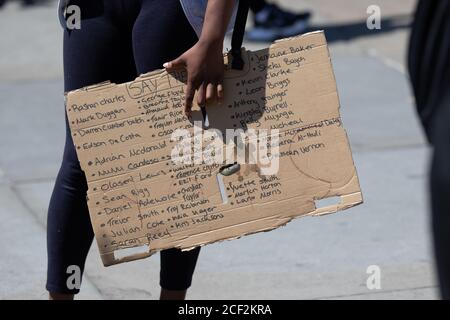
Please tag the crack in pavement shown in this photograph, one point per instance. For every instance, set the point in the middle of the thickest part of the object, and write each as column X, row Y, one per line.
column 376, row 292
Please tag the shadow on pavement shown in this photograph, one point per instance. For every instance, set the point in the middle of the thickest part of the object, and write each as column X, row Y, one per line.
column 350, row 31
column 26, row 3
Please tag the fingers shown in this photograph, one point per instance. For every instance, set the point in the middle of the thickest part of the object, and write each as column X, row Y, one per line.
column 189, row 97
column 201, row 95
column 220, row 92
column 207, row 93
column 213, row 92
column 175, row 64
column 210, row 92
column 190, row 86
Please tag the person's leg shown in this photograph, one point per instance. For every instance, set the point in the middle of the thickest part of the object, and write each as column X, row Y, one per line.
column 69, row 233
column 95, row 53
column 429, row 71
column 161, row 33
column 177, row 269
column 440, row 190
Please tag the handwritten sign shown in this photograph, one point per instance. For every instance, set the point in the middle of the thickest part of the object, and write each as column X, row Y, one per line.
column 125, row 136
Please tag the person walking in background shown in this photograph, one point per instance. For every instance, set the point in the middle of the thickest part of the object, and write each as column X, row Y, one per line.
column 429, row 69
column 270, row 22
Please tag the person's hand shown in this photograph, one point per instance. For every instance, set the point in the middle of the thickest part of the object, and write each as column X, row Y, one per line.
column 204, row 61
column 205, row 68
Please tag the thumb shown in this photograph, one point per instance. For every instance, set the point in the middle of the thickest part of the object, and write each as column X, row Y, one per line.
column 175, row 64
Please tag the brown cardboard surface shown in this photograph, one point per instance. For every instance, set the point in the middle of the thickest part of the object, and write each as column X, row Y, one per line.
column 139, row 196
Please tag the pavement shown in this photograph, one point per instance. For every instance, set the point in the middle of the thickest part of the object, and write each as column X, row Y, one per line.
column 310, row 258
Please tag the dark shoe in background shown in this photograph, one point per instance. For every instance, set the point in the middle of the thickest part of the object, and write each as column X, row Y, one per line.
column 272, row 22
column 25, row 3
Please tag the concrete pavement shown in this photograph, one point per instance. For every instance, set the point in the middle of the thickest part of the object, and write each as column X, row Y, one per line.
column 310, row 258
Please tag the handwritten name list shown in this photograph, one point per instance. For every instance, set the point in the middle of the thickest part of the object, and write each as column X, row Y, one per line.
column 138, row 195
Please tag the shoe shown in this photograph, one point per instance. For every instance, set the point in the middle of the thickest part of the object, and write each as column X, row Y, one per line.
column 27, row 3
column 272, row 22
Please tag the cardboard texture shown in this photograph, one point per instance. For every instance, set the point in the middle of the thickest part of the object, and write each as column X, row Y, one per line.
column 138, row 196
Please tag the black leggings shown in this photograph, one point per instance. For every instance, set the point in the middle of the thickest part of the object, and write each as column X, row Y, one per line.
column 118, row 40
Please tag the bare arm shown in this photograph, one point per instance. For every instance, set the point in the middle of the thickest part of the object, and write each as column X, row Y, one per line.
column 204, row 61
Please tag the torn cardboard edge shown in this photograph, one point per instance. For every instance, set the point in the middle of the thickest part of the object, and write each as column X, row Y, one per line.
column 186, row 239
column 125, row 255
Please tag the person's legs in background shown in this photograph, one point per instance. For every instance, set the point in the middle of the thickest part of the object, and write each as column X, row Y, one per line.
column 440, row 194
column 429, row 71
column 272, row 22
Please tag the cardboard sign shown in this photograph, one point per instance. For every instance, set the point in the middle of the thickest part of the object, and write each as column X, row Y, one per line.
column 130, row 139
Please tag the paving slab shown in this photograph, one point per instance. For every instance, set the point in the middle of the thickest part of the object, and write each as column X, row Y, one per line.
column 310, row 258
column 31, row 42
column 24, row 257
column 32, row 129
column 390, row 230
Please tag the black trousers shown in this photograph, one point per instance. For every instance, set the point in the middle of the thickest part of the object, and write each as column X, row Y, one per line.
column 440, row 194
column 118, row 40
column 429, row 68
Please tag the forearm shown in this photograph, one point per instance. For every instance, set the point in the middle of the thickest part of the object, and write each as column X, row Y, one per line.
column 217, row 17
